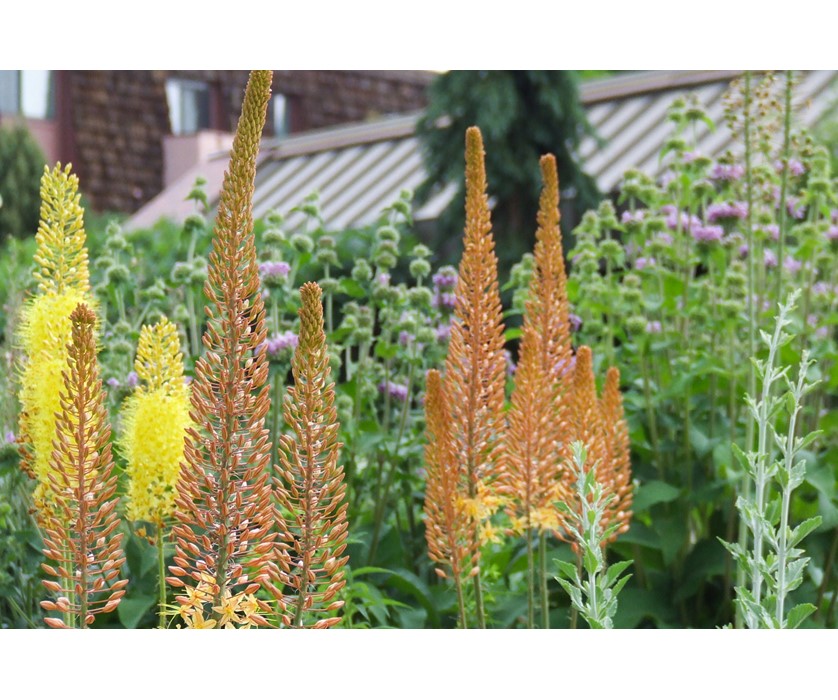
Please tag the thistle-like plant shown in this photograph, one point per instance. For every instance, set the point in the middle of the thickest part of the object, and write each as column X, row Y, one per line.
column 224, row 511
column 448, row 526
column 45, row 329
column 155, row 419
column 310, row 488
column 773, row 565
column 80, row 537
column 594, row 596
column 475, row 370
column 531, row 477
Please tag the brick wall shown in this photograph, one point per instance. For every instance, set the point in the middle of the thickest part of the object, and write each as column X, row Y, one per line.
column 117, row 119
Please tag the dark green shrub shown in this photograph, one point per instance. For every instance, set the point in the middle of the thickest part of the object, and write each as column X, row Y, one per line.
column 21, row 165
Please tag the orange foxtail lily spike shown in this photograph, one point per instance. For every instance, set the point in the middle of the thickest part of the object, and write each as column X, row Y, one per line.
column 225, row 541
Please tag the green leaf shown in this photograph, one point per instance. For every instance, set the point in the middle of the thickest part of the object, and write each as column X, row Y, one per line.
column 653, row 492
column 132, row 610
column 804, row 529
column 799, row 613
column 351, row 288
column 615, row 570
column 566, row 570
column 512, row 334
column 699, row 441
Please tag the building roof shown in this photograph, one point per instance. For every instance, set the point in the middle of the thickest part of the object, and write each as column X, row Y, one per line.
column 360, row 169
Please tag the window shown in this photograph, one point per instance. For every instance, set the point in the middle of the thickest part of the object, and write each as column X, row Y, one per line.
column 189, row 105
column 279, row 116
column 27, row 92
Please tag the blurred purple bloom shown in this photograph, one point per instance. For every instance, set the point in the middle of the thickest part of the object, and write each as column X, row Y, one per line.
column 743, row 250
column 822, row 332
column 773, row 230
column 383, row 278
column 664, row 237
column 564, row 367
column 796, row 168
column 443, row 332
column 794, row 208
column 10, row 437
column 770, row 259
column 445, row 301
column 396, row 391
column 832, row 233
column 791, row 265
column 727, row 173
column 633, row 218
column 275, row 345
column 820, row 289
column 727, row 210
column 674, row 219
column 575, row 322
column 653, row 327
column 274, row 272
column 510, row 363
column 113, row 383
column 640, row 263
column 405, row 338
column 445, row 282
column 131, row 380
column 812, row 320
column 707, row 234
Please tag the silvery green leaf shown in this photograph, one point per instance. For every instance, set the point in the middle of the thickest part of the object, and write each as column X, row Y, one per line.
column 615, row 570
column 798, row 614
column 807, row 526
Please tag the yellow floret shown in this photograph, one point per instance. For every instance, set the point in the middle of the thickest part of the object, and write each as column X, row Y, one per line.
column 44, row 335
column 154, row 424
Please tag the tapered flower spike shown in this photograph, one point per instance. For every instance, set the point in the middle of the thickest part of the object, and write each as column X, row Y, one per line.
column 80, row 538
column 475, row 370
column 155, row 419
column 310, row 488
column 45, row 329
column 618, row 475
column 224, row 510
column 534, row 431
column 448, row 527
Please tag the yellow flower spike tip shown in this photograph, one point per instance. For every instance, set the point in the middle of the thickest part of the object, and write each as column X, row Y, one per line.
column 310, row 487
column 45, row 328
column 155, row 419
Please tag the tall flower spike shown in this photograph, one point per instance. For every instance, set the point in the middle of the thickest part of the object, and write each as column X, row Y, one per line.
column 448, row 529
column 80, row 535
column 534, row 431
column 45, row 329
column 618, row 477
column 223, row 506
column 155, row 419
column 475, row 370
column 310, row 488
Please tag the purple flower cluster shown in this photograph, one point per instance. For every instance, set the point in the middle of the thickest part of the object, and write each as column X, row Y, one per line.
column 396, row 391
column 832, row 233
column 565, row 367
column 640, row 263
column 795, row 209
column 445, row 282
column 10, row 437
column 773, row 230
column 443, row 332
column 510, row 363
column 274, row 273
column 653, row 327
column 770, row 258
column 575, row 322
column 633, row 218
column 792, row 265
column 726, row 210
column 727, row 173
column 708, row 234
column 796, row 168
column 280, row 343
column 676, row 219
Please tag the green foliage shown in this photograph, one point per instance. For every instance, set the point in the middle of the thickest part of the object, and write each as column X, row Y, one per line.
column 522, row 115
column 21, row 167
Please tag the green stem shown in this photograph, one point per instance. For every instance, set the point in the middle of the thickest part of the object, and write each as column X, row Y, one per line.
column 530, row 581
column 161, row 573
column 542, row 574
column 784, row 179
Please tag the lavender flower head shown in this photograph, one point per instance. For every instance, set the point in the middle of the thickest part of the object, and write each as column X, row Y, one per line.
column 278, row 346
column 443, row 332
column 794, row 208
column 727, row 173
column 575, row 322
column 132, row 379
column 565, row 367
column 10, row 437
column 274, row 273
column 653, row 327
column 113, row 383
column 396, row 391
column 832, row 233
column 640, row 263
column 770, row 259
column 820, row 289
column 676, row 219
column 796, row 168
column 726, row 210
column 708, row 234
column 510, row 363
column 772, row 230
column 792, row 265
